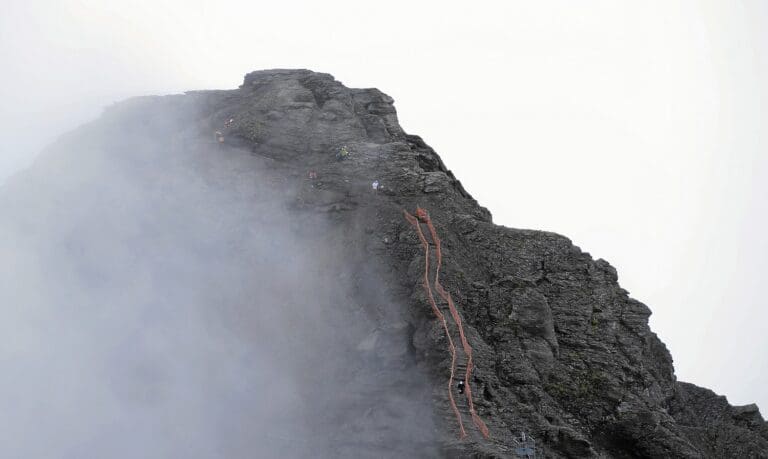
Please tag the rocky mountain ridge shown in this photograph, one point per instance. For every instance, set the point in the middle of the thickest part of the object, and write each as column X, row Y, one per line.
column 561, row 352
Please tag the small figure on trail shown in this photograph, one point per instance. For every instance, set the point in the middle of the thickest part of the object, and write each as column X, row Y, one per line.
column 525, row 446
column 342, row 154
column 375, row 185
column 312, row 175
column 460, row 386
column 219, row 136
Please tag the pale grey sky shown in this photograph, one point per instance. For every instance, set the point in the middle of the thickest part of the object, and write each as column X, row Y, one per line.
column 637, row 129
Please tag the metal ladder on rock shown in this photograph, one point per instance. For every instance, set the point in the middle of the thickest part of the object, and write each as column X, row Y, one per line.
column 444, row 308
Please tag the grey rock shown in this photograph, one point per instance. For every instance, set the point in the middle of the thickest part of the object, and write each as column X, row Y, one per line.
column 561, row 351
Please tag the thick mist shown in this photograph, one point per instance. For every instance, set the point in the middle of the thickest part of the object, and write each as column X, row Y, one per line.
column 162, row 299
column 634, row 128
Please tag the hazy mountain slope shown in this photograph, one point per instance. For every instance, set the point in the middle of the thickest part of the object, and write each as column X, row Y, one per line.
column 274, row 313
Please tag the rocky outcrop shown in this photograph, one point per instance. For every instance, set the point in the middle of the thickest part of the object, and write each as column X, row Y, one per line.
column 561, row 351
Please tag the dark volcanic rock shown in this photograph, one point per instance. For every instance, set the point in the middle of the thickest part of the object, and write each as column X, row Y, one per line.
column 561, row 351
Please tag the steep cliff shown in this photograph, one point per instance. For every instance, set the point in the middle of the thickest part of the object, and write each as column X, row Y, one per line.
column 560, row 351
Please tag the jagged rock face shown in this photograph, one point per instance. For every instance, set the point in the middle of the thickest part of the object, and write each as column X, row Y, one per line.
column 561, row 351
